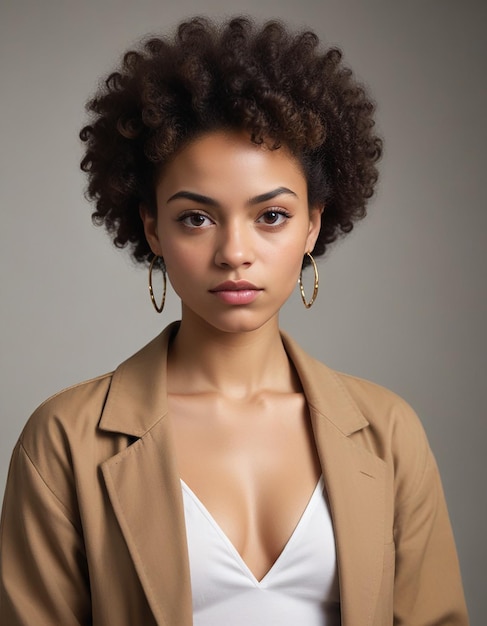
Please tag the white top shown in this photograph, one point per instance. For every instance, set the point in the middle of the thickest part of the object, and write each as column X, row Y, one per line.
column 300, row 588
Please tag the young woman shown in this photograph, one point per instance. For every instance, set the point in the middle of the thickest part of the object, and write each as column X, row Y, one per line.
column 221, row 475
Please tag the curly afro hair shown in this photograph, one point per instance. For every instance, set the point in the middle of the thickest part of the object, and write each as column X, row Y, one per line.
column 278, row 86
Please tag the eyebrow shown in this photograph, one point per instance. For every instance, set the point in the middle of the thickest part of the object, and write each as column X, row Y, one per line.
column 201, row 199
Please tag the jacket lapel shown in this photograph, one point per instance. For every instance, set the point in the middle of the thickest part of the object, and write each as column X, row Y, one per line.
column 355, row 483
column 144, row 489
column 355, row 480
column 143, row 482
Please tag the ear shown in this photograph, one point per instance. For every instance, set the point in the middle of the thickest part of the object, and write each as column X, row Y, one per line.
column 149, row 219
column 314, row 226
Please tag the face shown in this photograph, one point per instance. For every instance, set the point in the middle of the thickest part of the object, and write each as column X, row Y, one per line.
column 232, row 225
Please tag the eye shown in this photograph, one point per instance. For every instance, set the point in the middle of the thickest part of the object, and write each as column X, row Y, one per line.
column 274, row 217
column 194, row 220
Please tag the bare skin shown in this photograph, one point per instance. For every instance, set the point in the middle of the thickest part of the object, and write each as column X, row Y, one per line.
column 243, row 442
column 241, row 427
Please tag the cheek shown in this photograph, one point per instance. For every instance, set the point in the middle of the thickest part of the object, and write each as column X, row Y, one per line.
column 183, row 260
column 286, row 264
column 292, row 251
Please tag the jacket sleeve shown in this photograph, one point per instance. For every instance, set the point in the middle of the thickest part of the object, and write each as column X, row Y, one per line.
column 43, row 571
column 427, row 587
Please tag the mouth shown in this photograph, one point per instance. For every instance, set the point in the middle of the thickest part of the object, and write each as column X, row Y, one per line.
column 237, row 292
column 235, row 285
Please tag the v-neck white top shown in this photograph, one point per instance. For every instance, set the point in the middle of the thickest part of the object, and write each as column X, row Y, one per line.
column 300, row 588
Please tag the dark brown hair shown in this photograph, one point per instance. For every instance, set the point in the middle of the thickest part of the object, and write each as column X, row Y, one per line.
column 278, row 86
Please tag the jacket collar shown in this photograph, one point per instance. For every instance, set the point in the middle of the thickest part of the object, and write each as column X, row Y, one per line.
column 324, row 391
column 137, row 399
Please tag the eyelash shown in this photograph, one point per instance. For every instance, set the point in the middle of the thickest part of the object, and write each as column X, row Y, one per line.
column 185, row 216
column 278, row 212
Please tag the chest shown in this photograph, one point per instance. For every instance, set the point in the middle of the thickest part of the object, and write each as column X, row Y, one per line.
column 253, row 465
column 301, row 587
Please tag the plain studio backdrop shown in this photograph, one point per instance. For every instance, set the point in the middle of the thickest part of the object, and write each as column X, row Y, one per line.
column 402, row 300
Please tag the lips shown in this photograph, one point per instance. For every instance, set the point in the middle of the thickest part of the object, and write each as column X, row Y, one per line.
column 236, row 292
column 235, row 285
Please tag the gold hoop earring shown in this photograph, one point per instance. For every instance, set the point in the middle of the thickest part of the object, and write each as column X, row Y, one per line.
column 315, row 285
column 160, row 260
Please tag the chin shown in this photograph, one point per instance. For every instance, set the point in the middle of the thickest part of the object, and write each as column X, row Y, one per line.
column 240, row 326
column 240, row 329
column 238, row 321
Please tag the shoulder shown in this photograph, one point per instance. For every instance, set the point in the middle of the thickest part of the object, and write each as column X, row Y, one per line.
column 351, row 403
column 58, row 445
column 67, row 412
column 385, row 411
column 74, row 422
column 370, row 415
column 379, row 405
column 394, row 433
column 63, row 431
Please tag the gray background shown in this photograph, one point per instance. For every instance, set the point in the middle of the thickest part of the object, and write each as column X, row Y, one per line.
column 402, row 300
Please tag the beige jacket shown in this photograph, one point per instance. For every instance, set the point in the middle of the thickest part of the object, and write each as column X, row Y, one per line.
column 93, row 530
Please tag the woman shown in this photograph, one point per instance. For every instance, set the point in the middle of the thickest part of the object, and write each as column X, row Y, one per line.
column 221, row 475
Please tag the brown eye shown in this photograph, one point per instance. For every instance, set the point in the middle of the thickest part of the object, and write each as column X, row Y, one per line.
column 273, row 218
column 195, row 220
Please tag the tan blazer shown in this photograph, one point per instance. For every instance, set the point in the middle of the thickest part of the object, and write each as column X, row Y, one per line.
column 93, row 525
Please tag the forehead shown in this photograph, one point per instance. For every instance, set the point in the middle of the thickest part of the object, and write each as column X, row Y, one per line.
column 228, row 163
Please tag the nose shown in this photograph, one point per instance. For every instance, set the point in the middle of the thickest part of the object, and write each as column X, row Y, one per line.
column 235, row 246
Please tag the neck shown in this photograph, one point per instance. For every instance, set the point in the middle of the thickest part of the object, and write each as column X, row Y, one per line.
column 236, row 364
